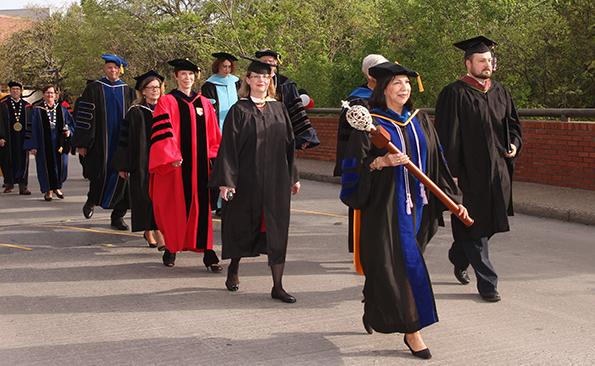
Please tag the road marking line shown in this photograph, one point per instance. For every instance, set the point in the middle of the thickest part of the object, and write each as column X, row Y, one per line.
column 15, row 246
column 318, row 213
column 75, row 228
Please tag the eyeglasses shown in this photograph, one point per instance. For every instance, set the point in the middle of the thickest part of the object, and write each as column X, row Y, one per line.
column 153, row 87
column 260, row 76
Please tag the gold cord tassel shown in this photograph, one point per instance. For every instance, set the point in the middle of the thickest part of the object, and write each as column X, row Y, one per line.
column 121, row 69
column 420, row 86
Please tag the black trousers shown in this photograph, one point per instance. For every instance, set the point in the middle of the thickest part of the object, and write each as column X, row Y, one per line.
column 94, row 197
column 463, row 253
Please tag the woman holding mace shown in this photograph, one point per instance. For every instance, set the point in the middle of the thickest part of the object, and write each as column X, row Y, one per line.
column 398, row 216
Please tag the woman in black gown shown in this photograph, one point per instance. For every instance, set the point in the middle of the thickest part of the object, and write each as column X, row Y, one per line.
column 132, row 156
column 398, row 216
column 255, row 165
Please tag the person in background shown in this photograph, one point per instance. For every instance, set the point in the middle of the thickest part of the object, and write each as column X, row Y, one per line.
column 98, row 116
column 286, row 91
column 14, row 129
column 131, row 159
column 51, row 130
column 221, row 88
column 359, row 96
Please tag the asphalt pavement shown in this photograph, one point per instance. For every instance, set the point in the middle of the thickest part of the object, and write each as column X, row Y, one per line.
column 75, row 292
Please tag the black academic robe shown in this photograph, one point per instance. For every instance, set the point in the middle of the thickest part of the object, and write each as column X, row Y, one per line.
column 256, row 157
column 99, row 136
column 51, row 144
column 287, row 92
column 397, row 289
column 132, row 156
column 475, row 127
column 14, row 160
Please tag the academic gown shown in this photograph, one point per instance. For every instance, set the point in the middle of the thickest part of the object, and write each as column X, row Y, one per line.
column 132, row 156
column 51, row 145
column 222, row 92
column 257, row 159
column 184, row 128
column 98, row 114
column 474, row 127
column 287, row 92
column 14, row 160
column 397, row 289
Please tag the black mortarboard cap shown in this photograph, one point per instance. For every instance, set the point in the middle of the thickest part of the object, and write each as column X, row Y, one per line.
column 119, row 61
column 267, row 52
column 473, row 45
column 258, row 66
column 390, row 69
column 224, row 56
column 183, row 64
column 151, row 73
column 12, row 84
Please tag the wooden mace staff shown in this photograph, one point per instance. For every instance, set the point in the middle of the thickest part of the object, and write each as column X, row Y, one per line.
column 360, row 119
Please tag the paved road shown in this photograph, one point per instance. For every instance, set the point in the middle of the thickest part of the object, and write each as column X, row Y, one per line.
column 87, row 295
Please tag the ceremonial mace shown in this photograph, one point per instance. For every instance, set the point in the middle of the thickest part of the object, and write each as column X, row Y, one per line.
column 359, row 118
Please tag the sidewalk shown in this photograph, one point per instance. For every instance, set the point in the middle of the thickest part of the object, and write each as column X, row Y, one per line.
column 560, row 203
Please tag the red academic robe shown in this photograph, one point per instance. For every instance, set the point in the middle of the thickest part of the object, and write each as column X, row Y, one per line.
column 185, row 129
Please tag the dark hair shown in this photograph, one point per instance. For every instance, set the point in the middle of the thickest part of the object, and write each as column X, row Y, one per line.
column 217, row 63
column 378, row 99
column 139, row 93
column 47, row 87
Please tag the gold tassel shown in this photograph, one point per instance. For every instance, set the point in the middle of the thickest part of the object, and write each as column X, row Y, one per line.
column 121, row 69
column 420, row 86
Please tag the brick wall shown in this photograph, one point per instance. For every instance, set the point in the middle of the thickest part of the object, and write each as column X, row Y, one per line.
column 554, row 153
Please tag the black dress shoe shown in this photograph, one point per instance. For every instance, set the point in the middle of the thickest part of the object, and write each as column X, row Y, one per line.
column 169, row 258
column 25, row 192
column 424, row 353
column 215, row 268
column 491, row 296
column 232, row 284
column 47, row 197
column 283, row 296
column 119, row 224
column 88, row 210
column 462, row 276
column 367, row 326
column 59, row 194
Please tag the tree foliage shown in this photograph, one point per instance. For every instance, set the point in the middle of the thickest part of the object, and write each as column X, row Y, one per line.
column 545, row 52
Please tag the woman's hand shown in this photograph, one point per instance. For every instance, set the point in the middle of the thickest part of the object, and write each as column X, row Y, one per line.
column 82, row 151
column 66, row 133
column 123, row 175
column 389, row 160
column 296, row 188
column 33, row 151
column 463, row 214
column 224, row 191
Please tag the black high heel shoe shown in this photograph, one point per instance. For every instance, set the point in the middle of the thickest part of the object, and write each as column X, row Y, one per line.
column 424, row 353
column 215, row 268
column 282, row 295
column 151, row 245
column 169, row 258
column 367, row 326
column 232, row 285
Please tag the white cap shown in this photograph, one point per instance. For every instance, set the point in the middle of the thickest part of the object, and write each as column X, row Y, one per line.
column 371, row 61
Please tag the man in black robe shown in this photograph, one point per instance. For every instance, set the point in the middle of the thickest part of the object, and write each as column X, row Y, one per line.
column 98, row 115
column 359, row 96
column 287, row 92
column 480, row 132
column 14, row 127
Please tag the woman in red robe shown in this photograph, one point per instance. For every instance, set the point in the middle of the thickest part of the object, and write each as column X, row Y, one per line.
column 184, row 136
